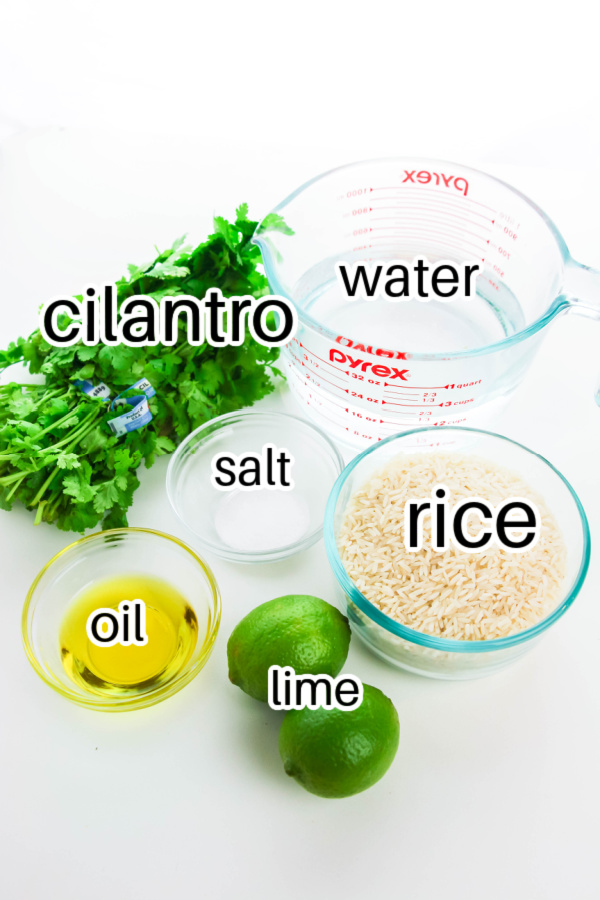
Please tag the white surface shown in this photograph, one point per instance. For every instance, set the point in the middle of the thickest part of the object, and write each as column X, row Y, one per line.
column 494, row 792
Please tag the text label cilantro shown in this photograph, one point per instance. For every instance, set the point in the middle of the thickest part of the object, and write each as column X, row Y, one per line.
column 142, row 321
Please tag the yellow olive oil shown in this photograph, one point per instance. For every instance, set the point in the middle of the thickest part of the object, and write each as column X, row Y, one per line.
column 171, row 628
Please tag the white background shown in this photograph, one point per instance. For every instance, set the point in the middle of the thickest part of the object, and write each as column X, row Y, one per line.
column 173, row 112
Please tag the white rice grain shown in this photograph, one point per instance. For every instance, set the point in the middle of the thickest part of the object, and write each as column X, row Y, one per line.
column 457, row 594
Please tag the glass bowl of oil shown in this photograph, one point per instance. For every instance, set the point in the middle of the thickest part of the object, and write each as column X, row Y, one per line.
column 122, row 619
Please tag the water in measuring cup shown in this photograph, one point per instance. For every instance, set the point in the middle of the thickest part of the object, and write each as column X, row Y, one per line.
column 358, row 406
column 415, row 326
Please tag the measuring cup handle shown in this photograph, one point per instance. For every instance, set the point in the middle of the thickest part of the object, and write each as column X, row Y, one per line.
column 582, row 289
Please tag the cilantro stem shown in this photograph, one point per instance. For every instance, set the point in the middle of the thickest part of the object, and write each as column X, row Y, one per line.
column 16, row 485
column 10, row 479
column 56, row 424
column 47, row 393
column 82, row 427
column 45, row 485
column 72, row 438
column 56, row 470
column 51, row 507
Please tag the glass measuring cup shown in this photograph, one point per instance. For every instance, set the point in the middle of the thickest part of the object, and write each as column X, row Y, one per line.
column 368, row 368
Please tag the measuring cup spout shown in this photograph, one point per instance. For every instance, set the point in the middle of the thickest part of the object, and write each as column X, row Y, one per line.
column 279, row 250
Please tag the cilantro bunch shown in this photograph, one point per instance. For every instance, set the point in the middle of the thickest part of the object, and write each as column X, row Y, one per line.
column 57, row 452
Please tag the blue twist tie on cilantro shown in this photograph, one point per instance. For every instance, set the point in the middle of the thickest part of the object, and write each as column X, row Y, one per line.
column 99, row 391
column 139, row 414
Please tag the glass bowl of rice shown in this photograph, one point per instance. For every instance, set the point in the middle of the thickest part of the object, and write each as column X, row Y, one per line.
column 453, row 613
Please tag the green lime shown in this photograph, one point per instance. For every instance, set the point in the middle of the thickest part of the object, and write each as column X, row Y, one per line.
column 337, row 753
column 297, row 630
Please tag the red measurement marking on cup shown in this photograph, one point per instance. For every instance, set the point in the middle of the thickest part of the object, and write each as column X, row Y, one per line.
column 419, row 401
column 318, row 379
column 418, row 235
column 421, row 225
column 510, row 233
column 385, row 242
column 438, row 207
column 397, row 232
column 421, row 190
column 314, row 366
column 337, row 405
column 414, row 387
column 414, row 405
column 339, row 420
column 438, row 212
column 362, row 211
column 331, row 414
column 447, row 229
column 354, row 192
column 358, row 414
column 417, row 195
column 304, row 387
column 336, row 386
column 330, row 364
column 427, row 394
column 479, row 244
column 306, row 361
column 415, row 237
column 501, row 251
column 427, row 223
column 401, row 396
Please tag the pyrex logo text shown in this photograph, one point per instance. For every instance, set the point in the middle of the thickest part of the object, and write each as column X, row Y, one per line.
column 376, row 351
column 377, row 370
column 424, row 177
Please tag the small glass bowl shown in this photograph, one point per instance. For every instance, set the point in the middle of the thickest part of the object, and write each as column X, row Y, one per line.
column 258, row 525
column 106, row 554
column 434, row 656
